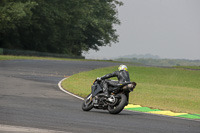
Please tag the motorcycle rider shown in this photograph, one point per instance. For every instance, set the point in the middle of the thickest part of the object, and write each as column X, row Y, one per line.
column 122, row 76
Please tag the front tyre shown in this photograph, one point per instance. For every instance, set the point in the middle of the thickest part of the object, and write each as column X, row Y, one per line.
column 87, row 103
column 120, row 104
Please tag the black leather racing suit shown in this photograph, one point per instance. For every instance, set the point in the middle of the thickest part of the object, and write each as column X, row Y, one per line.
column 122, row 76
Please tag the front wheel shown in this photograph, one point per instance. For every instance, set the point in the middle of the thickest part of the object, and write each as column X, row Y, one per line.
column 120, row 104
column 87, row 103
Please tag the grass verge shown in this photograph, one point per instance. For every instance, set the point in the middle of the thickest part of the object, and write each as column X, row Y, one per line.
column 177, row 90
column 189, row 67
column 11, row 57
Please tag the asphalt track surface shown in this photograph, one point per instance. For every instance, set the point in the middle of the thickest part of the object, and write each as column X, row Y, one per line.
column 30, row 98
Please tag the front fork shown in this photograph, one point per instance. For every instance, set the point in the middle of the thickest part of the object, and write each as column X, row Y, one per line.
column 89, row 97
column 88, row 100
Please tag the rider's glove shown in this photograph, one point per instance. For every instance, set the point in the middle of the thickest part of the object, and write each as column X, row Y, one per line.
column 98, row 78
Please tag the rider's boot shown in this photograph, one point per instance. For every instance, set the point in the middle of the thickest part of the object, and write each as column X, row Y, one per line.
column 105, row 89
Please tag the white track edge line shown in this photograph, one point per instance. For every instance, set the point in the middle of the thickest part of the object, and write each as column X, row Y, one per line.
column 62, row 89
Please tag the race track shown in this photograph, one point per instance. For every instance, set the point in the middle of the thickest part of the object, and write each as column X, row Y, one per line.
column 30, row 98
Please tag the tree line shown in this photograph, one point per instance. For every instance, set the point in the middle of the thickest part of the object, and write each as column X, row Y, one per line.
column 161, row 62
column 58, row 26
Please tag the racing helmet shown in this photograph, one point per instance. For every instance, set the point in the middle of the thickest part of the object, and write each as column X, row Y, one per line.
column 123, row 67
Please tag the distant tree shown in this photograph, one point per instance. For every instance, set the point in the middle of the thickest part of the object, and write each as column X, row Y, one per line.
column 14, row 14
column 58, row 26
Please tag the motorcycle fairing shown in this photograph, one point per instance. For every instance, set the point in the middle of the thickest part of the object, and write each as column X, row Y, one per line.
column 96, row 89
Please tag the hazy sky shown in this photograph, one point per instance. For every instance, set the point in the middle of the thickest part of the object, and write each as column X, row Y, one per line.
column 167, row 28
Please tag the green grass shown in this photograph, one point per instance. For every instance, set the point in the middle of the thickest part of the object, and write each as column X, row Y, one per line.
column 11, row 57
column 163, row 88
column 189, row 67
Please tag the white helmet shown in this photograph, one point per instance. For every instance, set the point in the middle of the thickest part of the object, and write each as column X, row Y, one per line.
column 123, row 67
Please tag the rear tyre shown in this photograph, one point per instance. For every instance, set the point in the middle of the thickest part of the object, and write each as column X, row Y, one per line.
column 119, row 106
column 87, row 103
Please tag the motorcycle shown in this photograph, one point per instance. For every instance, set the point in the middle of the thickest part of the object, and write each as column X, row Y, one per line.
column 119, row 97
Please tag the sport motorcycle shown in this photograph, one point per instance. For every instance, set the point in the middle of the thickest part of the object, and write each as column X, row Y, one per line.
column 115, row 103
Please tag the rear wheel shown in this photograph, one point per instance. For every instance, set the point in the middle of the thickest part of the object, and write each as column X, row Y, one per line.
column 87, row 103
column 120, row 104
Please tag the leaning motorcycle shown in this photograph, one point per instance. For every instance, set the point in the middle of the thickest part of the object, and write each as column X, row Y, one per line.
column 119, row 97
